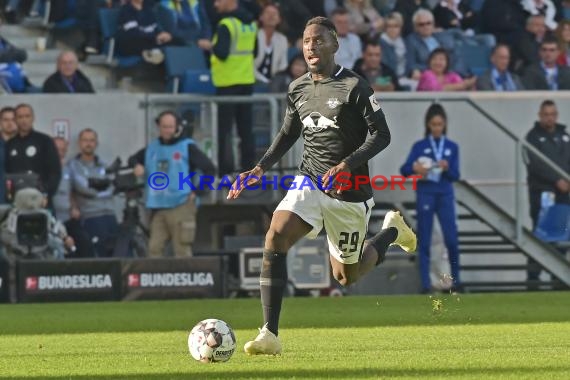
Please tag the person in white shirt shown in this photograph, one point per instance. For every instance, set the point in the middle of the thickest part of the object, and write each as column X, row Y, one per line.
column 349, row 44
column 271, row 45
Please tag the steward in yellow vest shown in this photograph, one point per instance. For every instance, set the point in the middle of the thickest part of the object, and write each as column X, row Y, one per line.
column 233, row 47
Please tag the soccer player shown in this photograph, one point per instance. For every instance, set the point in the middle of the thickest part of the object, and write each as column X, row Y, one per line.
column 343, row 127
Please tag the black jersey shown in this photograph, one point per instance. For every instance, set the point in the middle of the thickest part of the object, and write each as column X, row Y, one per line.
column 335, row 116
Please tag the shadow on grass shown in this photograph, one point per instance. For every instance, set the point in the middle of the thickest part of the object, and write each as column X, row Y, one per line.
column 329, row 374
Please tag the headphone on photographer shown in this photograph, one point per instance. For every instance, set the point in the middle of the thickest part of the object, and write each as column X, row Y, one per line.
column 180, row 124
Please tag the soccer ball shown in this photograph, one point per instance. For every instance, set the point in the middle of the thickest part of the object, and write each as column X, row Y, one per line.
column 212, row 340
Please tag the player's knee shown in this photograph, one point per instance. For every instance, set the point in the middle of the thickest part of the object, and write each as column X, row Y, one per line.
column 277, row 240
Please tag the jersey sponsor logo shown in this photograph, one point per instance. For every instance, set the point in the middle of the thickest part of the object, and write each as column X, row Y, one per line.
column 316, row 122
column 160, row 280
column 333, row 103
column 374, row 103
column 65, row 282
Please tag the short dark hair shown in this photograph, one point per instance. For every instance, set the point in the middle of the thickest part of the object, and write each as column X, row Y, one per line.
column 547, row 103
column 434, row 110
column 370, row 43
column 24, row 105
column 549, row 40
column 7, row 109
column 325, row 22
column 440, row 51
column 88, row 130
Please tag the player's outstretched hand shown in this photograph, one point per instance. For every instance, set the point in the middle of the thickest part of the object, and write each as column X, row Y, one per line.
column 331, row 176
column 244, row 180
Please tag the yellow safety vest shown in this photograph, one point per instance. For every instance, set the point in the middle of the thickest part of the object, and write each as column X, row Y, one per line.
column 238, row 67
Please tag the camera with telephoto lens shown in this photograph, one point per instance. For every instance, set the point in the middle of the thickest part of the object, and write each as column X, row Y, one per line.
column 122, row 178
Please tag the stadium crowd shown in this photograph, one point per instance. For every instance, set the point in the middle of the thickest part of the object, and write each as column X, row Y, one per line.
column 398, row 45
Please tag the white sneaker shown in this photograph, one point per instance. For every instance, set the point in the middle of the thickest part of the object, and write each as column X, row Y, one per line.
column 406, row 237
column 266, row 343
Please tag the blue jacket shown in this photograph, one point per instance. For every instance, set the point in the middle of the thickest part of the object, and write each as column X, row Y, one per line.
column 185, row 29
column 423, row 148
column 389, row 57
column 417, row 53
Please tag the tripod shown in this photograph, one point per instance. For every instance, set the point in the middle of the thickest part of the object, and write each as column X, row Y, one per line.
column 133, row 236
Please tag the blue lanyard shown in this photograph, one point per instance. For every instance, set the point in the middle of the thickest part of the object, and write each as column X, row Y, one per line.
column 437, row 151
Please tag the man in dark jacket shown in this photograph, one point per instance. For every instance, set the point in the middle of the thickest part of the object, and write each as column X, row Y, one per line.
column 32, row 151
column 187, row 22
column 138, row 32
column 551, row 139
column 68, row 78
column 547, row 74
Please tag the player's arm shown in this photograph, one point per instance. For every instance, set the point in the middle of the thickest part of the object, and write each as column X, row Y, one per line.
column 285, row 139
column 378, row 139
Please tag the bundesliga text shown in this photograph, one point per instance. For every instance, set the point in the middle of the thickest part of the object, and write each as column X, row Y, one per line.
column 342, row 181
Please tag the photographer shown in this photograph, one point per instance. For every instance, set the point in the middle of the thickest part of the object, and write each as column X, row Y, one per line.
column 174, row 211
column 93, row 192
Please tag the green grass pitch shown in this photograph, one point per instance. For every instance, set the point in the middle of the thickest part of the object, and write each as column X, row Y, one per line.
column 485, row 336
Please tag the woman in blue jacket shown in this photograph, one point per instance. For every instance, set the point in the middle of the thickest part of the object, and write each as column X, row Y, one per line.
column 436, row 159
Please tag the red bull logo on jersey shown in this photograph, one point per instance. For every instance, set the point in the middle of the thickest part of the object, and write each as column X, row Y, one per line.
column 316, row 122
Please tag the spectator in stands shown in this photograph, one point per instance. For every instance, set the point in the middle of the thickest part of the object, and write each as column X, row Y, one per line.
column 35, row 152
column 68, row 79
column 525, row 50
column 505, row 19
column 393, row 45
column 8, row 126
column 233, row 73
column 138, row 33
column 173, row 209
column 297, row 13
column 187, row 22
column 450, row 14
column 545, row 8
column 547, row 74
column 436, row 159
column 552, row 140
column 563, row 36
column 423, row 41
column 297, row 67
column 349, row 45
column 499, row 78
column 407, row 8
column 371, row 68
column 272, row 45
column 86, row 15
column 94, row 195
column 12, row 77
column 66, row 210
column 364, row 19
column 438, row 77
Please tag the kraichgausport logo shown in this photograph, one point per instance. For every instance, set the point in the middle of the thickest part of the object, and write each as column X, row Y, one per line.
column 163, row 280
column 69, row 282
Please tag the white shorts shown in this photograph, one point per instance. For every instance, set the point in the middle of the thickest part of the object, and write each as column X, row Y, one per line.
column 346, row 223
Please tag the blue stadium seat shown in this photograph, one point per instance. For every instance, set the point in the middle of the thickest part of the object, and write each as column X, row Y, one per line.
column 292, row 52
column 108, row 20
column 197, row 82
column 566, row 13
column 178, row 60
column 476, row 57
column 554, row 224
